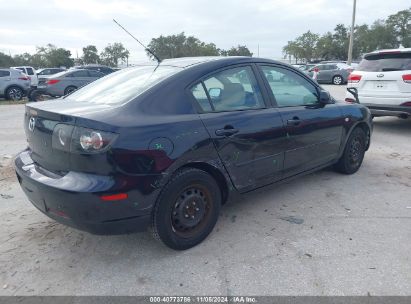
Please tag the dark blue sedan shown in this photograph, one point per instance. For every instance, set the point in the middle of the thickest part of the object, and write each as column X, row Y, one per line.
column 164, row 146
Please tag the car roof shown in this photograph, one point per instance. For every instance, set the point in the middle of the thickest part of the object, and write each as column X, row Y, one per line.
column 402, row 50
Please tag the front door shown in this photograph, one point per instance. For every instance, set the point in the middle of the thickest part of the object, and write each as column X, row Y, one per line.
column 248, row 136
column 314, row 130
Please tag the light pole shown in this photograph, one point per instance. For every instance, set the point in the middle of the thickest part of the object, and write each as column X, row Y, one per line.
column 351, row 34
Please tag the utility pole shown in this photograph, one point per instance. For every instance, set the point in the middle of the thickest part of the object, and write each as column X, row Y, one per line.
column 349, row 61
column 258, row 50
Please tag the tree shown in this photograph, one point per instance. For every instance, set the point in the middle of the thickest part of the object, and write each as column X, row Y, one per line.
column 90, row 55
column 52, row 56
column 6, row 61
column 401, row 24
column 113, row 53
column 240, row 50
column 175, row 46
column 304, row 47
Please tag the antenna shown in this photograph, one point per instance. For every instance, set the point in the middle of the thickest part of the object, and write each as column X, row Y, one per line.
column 145, row 48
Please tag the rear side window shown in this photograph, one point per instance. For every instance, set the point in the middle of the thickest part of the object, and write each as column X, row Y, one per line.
column 21, row 69
column 95, row 73
column 79, row 74
column 385, row 62
column 30, row 71
column 230, row 90
column 123, row 86
column 4, row 73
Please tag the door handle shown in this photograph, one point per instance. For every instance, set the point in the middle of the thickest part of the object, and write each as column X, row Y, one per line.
column 294, row 122
column 227, row 131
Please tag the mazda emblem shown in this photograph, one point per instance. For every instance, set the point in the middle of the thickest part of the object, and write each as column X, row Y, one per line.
column 380, row 75
column 32, row 123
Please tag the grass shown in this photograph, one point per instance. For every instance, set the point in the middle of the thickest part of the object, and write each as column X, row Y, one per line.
column 11, row 102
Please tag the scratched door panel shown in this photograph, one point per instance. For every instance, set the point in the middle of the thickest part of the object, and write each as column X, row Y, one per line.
column 254, row 155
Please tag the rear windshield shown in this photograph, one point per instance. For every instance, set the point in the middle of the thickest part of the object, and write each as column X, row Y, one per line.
column 124, row 85
column 385, row 62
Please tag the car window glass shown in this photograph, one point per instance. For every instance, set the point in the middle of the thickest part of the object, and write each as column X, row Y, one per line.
column 21, row 69
column 121, row 87
column 79, row 74
column 4, row 73
column 333, row 67
column 95, row 73
column 201, row 96
column 30, row 71
column 385, row 62
column 234, row 89
column 289, row 88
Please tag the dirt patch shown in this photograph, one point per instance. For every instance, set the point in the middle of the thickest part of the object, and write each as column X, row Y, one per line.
column 6, row 169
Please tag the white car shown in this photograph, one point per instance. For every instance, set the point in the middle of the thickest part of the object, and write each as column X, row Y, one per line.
column 383, row 82
column 14, row 84
column 31, row 72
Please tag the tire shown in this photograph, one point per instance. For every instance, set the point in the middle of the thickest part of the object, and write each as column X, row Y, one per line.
column 69, row 90
column 187, row 209
column 14, row 93
column 338, row 80
column 354, row 151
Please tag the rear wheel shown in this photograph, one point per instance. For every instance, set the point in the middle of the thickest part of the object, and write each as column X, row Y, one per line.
column 14, row 93
column 337, row 80
column 187, row 209
column 69, row 90
column 354, row 151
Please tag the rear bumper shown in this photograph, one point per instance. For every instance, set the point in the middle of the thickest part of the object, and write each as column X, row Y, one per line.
column 74, row 199
column 388, row 110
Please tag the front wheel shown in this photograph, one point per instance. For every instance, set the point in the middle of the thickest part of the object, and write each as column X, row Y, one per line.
column 354, row 151
column 187, row 209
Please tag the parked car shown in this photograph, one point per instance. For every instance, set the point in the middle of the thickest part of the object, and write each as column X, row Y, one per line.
column 335, row 73
column 96, row 67
column 166, row 145
column 31, row 72
column 49, row 71
column 14, row 84
column 383, row 82
column 66, row 82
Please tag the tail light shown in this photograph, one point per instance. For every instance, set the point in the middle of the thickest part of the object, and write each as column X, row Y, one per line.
column 52, row 81
column 351, row 100
column 354, row 78
column 24, row 78
column 81, row 140
column 114, row 197
column 91, row 141
column 406, row 104
column 406, row 78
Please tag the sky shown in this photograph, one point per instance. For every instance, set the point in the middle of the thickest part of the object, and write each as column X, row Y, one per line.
column 264, row 25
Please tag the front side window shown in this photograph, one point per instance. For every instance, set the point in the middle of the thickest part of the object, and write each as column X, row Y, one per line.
column 289, row 88
column 231, row 90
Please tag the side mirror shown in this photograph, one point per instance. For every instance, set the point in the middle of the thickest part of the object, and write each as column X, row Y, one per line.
column 325, row 97
column 354, row 93
column 214, row 93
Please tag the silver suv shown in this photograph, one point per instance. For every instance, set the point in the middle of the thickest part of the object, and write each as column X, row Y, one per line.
column 14, row 84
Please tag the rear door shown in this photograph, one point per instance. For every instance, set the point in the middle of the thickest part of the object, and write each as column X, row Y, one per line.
column 313, row 130
column 248, row 136
column 326, row 73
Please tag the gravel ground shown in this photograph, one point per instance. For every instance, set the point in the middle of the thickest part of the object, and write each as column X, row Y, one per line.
column 322, row 234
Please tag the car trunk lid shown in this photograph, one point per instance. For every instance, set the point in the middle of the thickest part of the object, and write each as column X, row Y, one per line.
column 49, row 126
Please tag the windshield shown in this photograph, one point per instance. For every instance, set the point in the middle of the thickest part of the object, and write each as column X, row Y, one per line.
column 385, row 62
column 123, row 86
